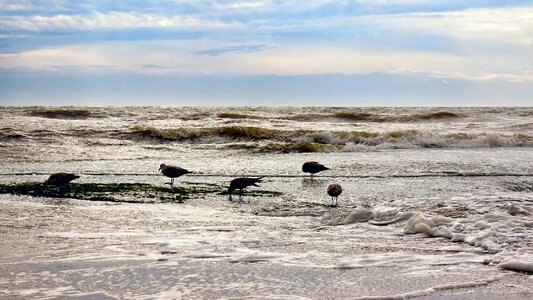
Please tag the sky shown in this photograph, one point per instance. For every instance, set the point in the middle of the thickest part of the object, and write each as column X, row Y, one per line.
column 267, row 52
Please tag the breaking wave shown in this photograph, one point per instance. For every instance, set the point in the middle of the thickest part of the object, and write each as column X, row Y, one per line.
column 275, row 140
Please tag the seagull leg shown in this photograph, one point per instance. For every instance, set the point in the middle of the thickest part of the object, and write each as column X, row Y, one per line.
column 171, row 181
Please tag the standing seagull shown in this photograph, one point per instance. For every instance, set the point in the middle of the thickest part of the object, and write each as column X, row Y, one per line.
column 334, row 190
column 241, row 183
column 172, row 172
column 313, row 167
column 60, row 179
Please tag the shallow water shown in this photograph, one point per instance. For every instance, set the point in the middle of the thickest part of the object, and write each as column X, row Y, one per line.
column 442, row 209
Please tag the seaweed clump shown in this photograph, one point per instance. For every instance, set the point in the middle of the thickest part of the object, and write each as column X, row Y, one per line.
column 120, row 192
column 114, row 192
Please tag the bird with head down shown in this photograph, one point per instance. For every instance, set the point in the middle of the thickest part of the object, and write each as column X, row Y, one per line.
column 60, row 179
column 241, row 183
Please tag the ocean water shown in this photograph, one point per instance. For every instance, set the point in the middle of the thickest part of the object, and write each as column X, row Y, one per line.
column 436, row 202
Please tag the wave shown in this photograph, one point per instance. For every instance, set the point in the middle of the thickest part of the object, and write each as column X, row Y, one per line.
column 361, row 116
column 440, row 115
column 338, row 114
column 435, row 116
column 275, row 140
column 226, row 115
column 343, row 115
column 192, row 134
column 11, row 136
column 352, row 116
column 62, row 113
column 250, row 133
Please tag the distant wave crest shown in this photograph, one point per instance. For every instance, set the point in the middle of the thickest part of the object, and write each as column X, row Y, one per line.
column 62, row 113
column 331, row 114
column 349, row 116
column 376, row 117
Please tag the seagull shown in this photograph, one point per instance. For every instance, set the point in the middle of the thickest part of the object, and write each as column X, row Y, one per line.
column 172, row 172
column 60, row 179
column 241, row 183
column 313, row 167
column 334, row 190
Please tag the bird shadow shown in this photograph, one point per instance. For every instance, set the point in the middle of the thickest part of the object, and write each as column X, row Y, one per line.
column 313, row 182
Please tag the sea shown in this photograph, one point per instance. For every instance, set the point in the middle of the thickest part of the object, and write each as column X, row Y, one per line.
column 437, row 203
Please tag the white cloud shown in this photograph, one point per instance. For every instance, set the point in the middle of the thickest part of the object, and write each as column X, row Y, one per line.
column 244, row 5
column 170, row 56
column 396, row 2
column 15, row 7
column 509, row 24
column 113, row 20
column 25, row 5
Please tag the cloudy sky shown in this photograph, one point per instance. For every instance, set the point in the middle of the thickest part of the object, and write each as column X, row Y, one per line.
column 266, row 52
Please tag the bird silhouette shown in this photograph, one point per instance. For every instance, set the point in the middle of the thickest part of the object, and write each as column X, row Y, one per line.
column 334, row 190
column 241, row 183
column 313, row 167
column 172, row 172
column 60, row 179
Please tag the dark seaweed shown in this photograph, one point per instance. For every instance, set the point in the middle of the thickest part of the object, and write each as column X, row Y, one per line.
column 120, row 192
